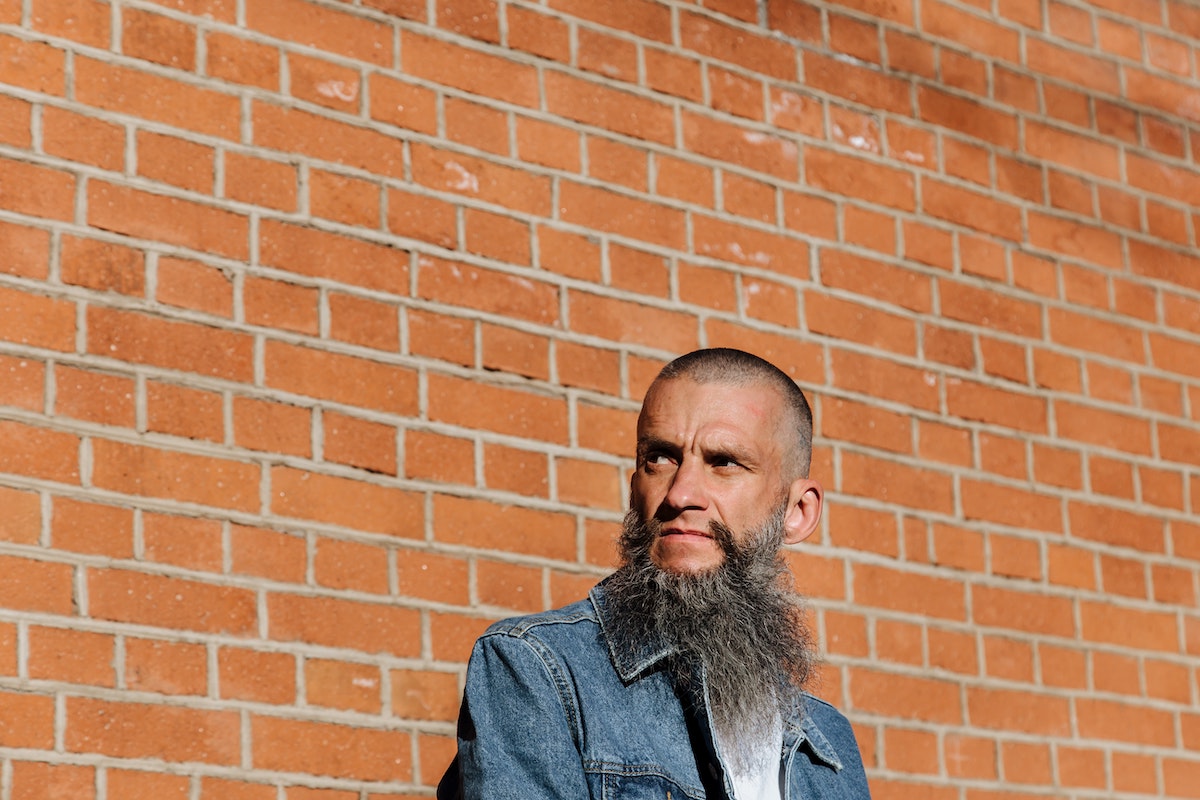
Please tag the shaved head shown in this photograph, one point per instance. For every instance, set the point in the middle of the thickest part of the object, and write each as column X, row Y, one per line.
column 739, row 368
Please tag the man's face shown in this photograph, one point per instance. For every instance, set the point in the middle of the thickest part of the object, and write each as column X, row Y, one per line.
column 707, row 453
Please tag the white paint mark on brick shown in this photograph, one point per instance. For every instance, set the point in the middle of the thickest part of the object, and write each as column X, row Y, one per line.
column 739, row 253
column 467, row 182
column 338, row 90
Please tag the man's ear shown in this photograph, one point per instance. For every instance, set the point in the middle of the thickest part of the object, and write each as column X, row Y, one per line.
column 804, row 510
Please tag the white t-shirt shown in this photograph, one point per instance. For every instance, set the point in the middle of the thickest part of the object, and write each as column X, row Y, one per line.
column 764, row 781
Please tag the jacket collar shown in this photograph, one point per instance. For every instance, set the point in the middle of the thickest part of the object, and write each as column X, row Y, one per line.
column 631, row 660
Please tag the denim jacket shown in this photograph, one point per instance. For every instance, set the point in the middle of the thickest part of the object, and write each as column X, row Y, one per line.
column 553, row 710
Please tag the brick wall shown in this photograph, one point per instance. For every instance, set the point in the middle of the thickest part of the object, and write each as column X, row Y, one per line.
column 323, row 328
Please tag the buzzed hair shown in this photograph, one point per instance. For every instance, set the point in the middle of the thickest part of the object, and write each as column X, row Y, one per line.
column 739, row 368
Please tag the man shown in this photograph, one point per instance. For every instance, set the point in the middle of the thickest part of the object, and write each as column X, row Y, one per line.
column 681, row 675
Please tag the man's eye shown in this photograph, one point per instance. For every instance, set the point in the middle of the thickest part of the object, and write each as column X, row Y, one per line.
column 657, row 459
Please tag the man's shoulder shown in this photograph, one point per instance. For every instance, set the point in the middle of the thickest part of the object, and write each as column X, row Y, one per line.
column 545, row 623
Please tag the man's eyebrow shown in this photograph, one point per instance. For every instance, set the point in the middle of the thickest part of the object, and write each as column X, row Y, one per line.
column 645, row 443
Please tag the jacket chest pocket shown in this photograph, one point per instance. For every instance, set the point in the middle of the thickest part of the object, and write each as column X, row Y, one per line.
column 645, row 786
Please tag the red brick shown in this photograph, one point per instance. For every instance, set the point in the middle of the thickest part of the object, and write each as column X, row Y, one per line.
column 1024, row 611
column 341, row 378
column 514, row 352
column 845, row 319
column 402, row 104
column 335, row 31
column 260, row 181
column 866, row 228
column 23, row 383
column 291, row 130
column 424, row 695
column 59, row 654
column 85, row 21
column 741, row 145
column 881, row 378
column 152, row 472
column 978, row 401
column 537, row 33
column 1026, row 712
column 94, row 396
column 263, row 677
column 857, row 177
column 442, row 337
column 716, row 40
column 434, row 457
column 161, row 40
column 22, row 520
column 239, row 60
column 509, row 586
column 182, row 411
column 167, row 219
column 1113, row 721
column 879, row 587
column 877, row 279
column 270, row 426
column 330, row 622
column 340, row 684
column 457, row 173
column 125, row 596
column 476, row 125
column 324, row 83
column 154, row 97
column 486, row 525
column 548, row 144
column 351, row 565
column 281, row 305
column 971, row 209
column 174, row 668
column 83, row 138
column 642, row 18
column 751, row 246
column 84, row 527
column 33, row 780
column 322, row 748
column 36, row 190
column 504, row 410
column 186, row 542
column 365, row 322
column 471, row 70
column 346, row 502
column 1068, row 237
column 218, row 789
column 588, row 483
column 267, row 553
column 606, row 55
column 846, row 420
column 103, row 266
column 497, row 236
column 27, row 250
column 38, row 452
column 443, row 579
column 33, row 65
column 128, row 783
column 421, row 217
column 191, row 284
column 621, row 214
column 342, row 198
column 1016, row 507
column 135, row 730
column 318, row 254
column 905, row 697
column 26, row 720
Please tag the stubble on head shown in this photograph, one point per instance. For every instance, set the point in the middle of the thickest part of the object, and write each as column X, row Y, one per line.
column 741, row 623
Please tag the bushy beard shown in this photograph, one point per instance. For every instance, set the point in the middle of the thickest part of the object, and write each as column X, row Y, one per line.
column 741, row 622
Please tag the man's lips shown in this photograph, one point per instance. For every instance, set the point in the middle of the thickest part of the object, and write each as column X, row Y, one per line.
column 682, row 532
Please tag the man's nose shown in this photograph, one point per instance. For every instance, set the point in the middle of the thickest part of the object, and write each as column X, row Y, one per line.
column 688, row 487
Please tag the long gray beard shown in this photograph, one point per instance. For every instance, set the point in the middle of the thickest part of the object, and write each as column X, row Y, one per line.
column 741, row 622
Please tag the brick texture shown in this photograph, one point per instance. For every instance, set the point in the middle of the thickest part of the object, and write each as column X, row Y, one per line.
column 323, row 328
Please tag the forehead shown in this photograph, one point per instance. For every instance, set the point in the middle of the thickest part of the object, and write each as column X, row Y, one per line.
column 680, row 410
